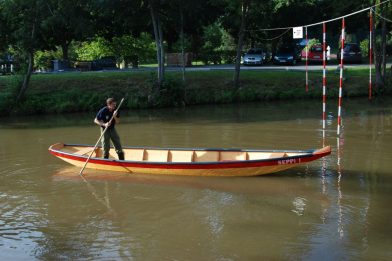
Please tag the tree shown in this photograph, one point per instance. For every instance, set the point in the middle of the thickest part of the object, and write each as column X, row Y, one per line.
column 155, row 6
column 5, row 31
column 68, row 21
column 379, row 46
column 212, row 41
column 130, row 49
column 26, row 28
column 245, row 5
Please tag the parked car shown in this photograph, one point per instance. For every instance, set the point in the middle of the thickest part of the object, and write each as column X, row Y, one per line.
column 255, row 56
column 107, row 62
column 287, row 55
column 351, row 53
column 315, row 53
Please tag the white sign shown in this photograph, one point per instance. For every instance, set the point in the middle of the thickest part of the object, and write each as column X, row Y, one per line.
column 298, row 33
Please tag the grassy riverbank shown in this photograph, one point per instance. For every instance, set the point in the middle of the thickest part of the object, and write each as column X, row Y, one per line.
column 75, row 92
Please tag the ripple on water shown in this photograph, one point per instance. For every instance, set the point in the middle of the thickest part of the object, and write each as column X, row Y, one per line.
column 19, row 224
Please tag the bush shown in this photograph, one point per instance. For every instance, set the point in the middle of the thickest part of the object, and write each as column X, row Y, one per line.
column 364, row 45
column 172, row 93
column 43, row 59
column 99, row 47
column 311, row 42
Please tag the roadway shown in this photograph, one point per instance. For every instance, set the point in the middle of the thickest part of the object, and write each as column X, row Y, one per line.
column 268, row 67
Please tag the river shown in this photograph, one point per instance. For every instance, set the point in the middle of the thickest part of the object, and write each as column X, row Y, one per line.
column 336, row 208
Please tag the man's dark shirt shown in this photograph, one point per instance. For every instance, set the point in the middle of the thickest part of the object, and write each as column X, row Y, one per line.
column 105, row 115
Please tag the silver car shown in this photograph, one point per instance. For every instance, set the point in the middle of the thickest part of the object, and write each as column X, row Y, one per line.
column 255, row 56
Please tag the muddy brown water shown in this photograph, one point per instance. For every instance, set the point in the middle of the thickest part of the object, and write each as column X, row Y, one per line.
column 337, row 208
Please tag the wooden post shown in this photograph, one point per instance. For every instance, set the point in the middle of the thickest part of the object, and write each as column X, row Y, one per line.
column 324, row 79
column 306, row 59
column 341, row 81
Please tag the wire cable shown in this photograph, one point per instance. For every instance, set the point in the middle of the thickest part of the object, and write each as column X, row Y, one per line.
column 382, row 17
column 274, row 38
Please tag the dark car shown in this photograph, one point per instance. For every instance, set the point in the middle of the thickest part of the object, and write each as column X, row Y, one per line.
column 255, row 56
column 108, row 62
column 351, row 53
column 287, row 55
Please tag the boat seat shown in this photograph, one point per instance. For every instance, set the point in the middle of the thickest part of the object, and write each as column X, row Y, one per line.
column 278, row 155
column 206, row 156
column 232, row 155
column 134, row 154
column 181, row 156
column 156, row 155
column 258, row 155
column 265, row 155
column 84, row 151
column 98, row 153
column 87, row 150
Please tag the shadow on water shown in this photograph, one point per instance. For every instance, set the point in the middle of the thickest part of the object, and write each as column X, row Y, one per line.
column 268, row 184
column 276, row 183
column 248, row 112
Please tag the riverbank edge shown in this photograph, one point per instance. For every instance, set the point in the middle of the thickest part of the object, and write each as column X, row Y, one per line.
column 81, row 92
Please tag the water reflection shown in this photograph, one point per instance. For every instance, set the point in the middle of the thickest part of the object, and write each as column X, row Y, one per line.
column 219, row 207
column 339, row 146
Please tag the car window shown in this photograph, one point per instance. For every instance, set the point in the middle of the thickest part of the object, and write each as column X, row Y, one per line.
column 285, row 50
column 355, row 48
column 316, row 49
column 352, row 48
column 255, row 51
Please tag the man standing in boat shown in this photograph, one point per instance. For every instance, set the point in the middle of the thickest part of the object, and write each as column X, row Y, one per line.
column 103, row 119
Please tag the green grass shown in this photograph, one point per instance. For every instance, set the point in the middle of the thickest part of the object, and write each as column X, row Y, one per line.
column 86, row 91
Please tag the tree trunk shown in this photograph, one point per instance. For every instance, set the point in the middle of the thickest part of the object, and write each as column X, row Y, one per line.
column 241, row 34
column 30, row 65
column 383, row 49
column 26, row 79
column 64, row 48
column 376, row 55
column 380, row 53
column 158, row 42
column 162, row 52
column 182, row 44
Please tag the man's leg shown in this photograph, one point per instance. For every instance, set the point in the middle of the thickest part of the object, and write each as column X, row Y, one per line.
column 105, row 143
column 117, row 144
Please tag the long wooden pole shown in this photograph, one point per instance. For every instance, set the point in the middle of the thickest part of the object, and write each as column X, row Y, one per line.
column 103, row 133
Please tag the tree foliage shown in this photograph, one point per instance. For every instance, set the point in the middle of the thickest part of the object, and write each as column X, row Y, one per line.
column 67, row 21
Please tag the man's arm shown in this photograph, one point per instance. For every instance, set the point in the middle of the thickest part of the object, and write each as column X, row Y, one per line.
column 116, row 119
column 100, row 123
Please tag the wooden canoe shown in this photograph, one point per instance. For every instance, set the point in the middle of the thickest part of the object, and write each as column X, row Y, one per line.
column 190, row 162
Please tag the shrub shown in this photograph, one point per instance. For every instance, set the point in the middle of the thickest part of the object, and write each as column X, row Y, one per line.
column 43, row 59
column 364, row 45
column 172, row 93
